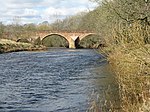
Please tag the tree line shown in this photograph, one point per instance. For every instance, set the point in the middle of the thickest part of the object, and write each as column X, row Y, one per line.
column 109, row 16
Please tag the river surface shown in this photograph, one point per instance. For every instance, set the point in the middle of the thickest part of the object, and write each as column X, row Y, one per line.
column 57, row 80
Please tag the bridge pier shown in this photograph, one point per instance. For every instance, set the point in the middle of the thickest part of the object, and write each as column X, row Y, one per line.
column 72, row 44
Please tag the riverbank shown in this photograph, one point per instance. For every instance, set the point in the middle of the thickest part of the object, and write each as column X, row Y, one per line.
column 12, row 46
column 132, row 67
column 130, row 61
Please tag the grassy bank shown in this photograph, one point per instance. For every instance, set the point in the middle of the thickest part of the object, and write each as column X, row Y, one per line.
column 12, row 46
column 132, row 69
column 129, row 57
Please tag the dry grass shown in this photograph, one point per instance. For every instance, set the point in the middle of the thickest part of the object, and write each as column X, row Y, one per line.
column 130, row 59
column 128, row 53
column 133, row 76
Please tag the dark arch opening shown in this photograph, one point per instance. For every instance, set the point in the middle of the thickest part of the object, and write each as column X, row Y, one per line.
column 91, row 41
column 23, row 40
column 55, row 40
column 77, row 43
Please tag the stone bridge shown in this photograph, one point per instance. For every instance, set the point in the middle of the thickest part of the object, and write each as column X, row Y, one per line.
column 72, row 38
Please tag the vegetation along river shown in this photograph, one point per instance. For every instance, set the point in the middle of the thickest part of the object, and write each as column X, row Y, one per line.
column 57, row 80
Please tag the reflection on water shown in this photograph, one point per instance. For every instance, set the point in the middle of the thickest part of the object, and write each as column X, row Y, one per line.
column 58, row 80
column 107, row 95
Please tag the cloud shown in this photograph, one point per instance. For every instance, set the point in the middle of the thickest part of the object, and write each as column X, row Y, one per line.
column 35, row 11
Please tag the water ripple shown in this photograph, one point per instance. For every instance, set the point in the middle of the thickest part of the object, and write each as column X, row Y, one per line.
column 58, row 80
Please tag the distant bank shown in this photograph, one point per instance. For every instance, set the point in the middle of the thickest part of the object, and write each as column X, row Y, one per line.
column 12, row 46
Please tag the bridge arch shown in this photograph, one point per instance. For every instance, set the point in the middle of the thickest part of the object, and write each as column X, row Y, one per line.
column 86, row 35
column 23, row 40
column 91, row 40
column 58, row 36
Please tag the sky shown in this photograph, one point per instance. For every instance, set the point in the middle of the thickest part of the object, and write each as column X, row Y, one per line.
column 37, row 11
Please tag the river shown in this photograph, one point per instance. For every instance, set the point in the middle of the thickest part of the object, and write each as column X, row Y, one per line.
column 57, row 80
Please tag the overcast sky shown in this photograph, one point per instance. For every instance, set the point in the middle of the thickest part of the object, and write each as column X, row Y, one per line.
column 36, row 11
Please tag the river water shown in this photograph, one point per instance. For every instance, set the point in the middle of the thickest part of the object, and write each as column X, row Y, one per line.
column 57, row 80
